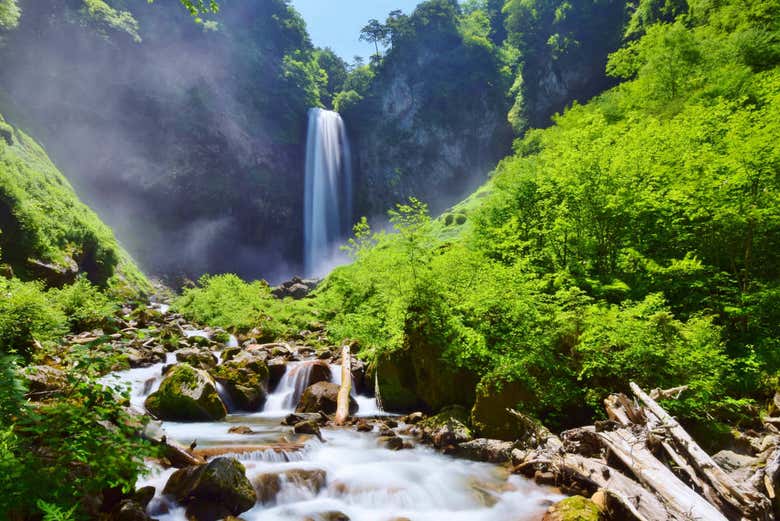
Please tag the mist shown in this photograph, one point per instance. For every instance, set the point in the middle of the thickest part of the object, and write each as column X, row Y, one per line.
column 183, row 142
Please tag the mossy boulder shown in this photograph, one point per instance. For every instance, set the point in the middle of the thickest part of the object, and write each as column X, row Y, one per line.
column 186, row 394
column 323, row 396
column 576, row 508
column 219, row 486
column 245, row 378
column 489, row 416
column 448, row 428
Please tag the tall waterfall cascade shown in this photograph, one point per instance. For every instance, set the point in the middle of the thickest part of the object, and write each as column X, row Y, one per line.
column 328, row 190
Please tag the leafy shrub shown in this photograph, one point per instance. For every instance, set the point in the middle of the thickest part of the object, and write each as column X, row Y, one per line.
column 228, row 302
column 27, row 315
column 85, row 305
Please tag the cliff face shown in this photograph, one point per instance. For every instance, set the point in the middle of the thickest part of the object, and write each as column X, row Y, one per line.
column 189, row 142
column 432, row 125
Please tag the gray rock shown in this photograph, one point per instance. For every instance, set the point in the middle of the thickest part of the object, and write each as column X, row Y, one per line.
column 481, row 449
column 219, row 486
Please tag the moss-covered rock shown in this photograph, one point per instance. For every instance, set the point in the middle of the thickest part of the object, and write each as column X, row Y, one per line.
column 220, row 485
column 448, row 428
column 245, row 378
column 575, row 508
column 186, row 394
column 199, row 358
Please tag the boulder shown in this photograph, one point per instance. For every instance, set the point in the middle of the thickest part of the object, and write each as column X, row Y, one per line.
column 413, row 418
column 448, row 428
column 576, row 508
column 481, row 449
column 245, row 378
column 739, row 466
column 328, row 516
column 241, row 429
column 218, row 488
column 319, row 372
column 323, row 396
column 144, row 357
column 198, row 358
column 186, row 394
column 129, row 510
column 276, row 369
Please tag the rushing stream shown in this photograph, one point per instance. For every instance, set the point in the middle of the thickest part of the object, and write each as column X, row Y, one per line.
column 362, row 480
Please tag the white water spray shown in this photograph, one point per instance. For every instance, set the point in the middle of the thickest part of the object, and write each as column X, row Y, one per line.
column 328, row 189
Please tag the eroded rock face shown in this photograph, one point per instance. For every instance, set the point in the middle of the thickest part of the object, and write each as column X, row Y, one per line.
column 218, row 488
column 44, row 379
column 186, row 394
column 323, row 396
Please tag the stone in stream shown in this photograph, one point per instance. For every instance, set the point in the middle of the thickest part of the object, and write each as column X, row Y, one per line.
column 44, row 379
column 129, row 510
column 241, row 429
column 212, row 491
column 293, row 418
column 186, row 394
column 245, row 379
column 328, row 516
column 308, row 427
column 391, row 442
column 268, row 485
column 323, row 396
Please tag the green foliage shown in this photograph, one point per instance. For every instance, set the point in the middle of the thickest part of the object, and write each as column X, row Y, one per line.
column 106, row 18
column 227, row 301
column 635, row 240
column 33, row 317
column 55, row 454
column 9, row 14
column 26, row 316
column 85, row 305
column 42, row 218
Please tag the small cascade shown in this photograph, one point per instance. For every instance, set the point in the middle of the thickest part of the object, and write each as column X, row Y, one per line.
column 289, row 390
column 328, row 189
column 367, row 406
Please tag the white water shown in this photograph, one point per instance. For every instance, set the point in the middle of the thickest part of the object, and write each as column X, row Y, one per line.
column 363, row 480
column 328, row 190
column 289, row 390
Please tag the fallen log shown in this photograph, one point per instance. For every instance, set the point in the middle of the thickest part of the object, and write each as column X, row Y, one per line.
column 595, row 474
column 681, row 501
column 749, row 505
column 342, row 400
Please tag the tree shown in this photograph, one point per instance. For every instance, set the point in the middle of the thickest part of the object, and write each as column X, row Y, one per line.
column 374, row 32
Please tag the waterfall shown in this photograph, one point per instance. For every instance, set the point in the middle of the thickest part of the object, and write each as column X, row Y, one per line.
column 327, row 202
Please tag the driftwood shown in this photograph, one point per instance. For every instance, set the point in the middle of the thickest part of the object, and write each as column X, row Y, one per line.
column 342, row 402
column 750, row 505
column 649, row 468
column 681, row 501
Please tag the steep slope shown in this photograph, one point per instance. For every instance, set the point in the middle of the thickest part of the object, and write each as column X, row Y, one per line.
column 45, row 231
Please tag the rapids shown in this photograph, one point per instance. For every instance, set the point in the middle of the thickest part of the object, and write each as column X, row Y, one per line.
column 364, row 481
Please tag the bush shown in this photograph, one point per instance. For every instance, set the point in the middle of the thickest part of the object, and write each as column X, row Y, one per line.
column 27, row 315
column 228, row 302
column 85, row 305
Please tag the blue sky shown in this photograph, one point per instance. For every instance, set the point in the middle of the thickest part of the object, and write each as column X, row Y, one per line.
column 337, row 23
